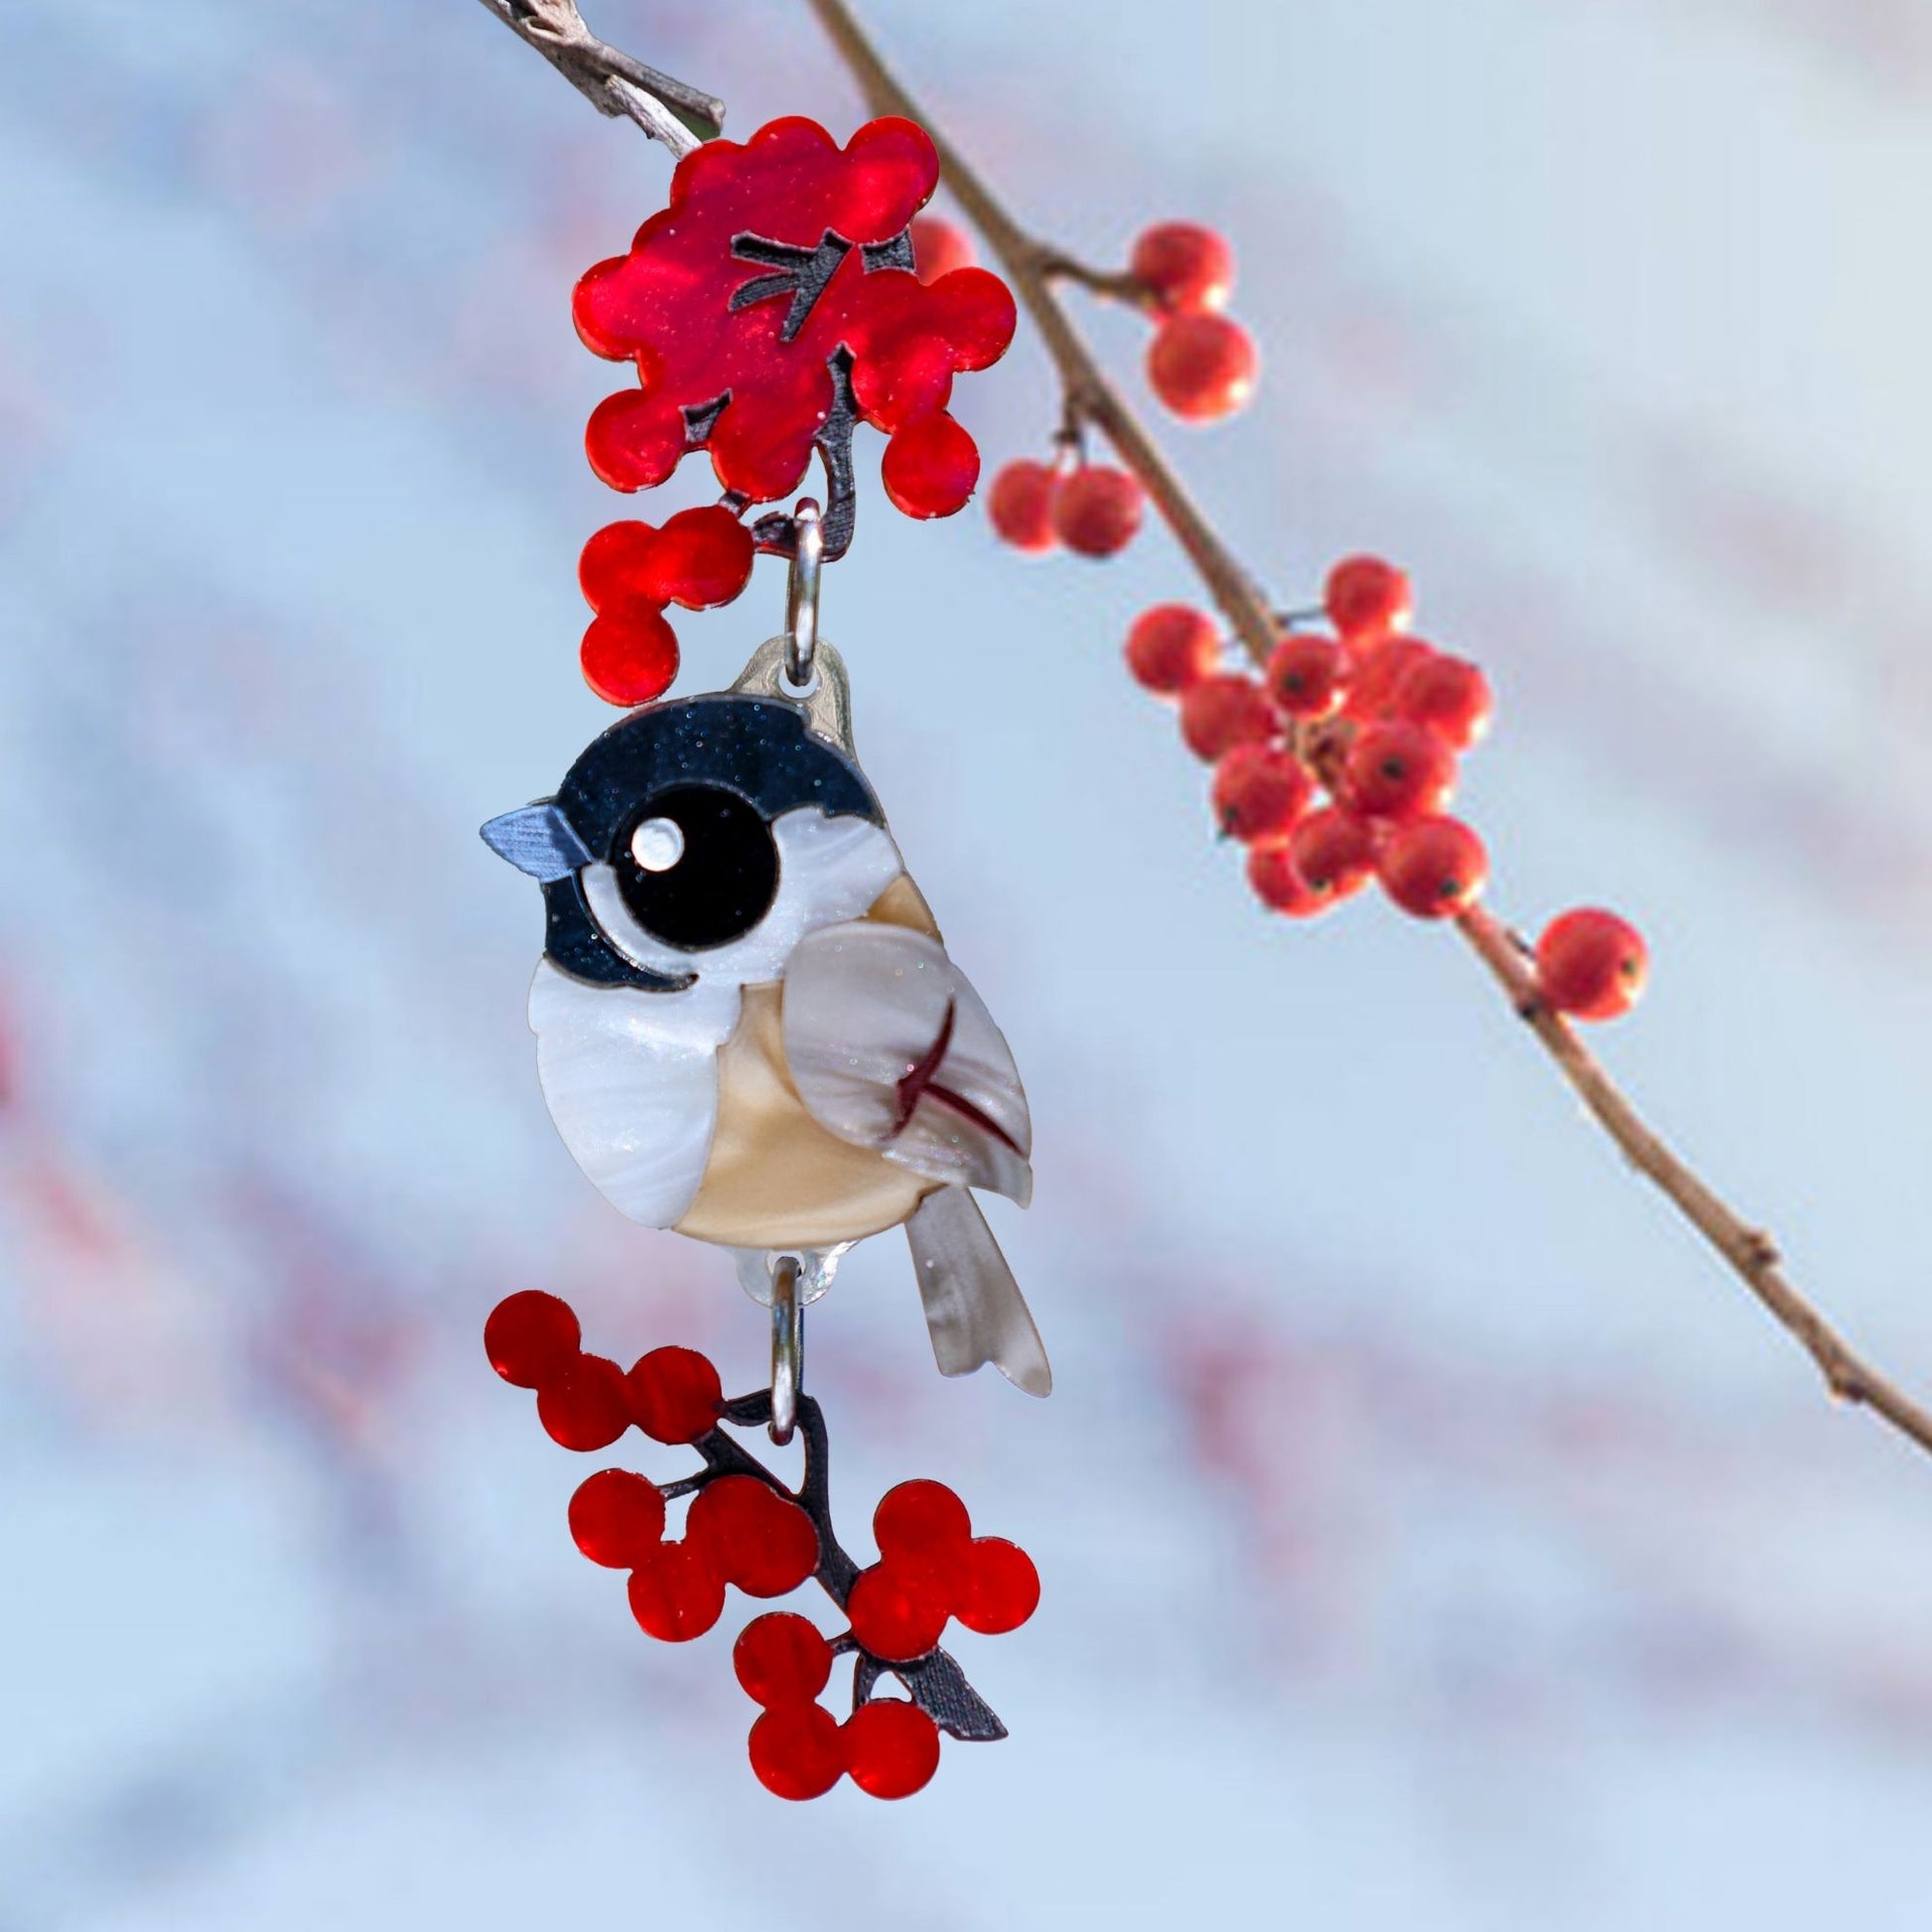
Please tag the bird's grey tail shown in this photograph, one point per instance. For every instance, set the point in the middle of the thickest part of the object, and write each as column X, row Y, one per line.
column 974, row 1310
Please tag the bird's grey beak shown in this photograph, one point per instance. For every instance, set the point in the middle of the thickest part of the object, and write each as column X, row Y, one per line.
column 537, row 839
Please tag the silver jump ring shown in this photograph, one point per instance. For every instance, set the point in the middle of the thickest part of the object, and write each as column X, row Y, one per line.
column 787, row 1347
column 801, row 592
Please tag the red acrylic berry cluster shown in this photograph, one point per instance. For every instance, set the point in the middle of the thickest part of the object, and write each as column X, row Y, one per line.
column 1336, row 765
column 745, row 1530
column 1200, row 363
column 768, row 309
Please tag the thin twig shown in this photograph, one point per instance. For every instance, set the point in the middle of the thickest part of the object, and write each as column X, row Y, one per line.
column 1034, row 267
column 667, row 110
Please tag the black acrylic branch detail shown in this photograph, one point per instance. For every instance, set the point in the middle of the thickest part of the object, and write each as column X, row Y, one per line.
column 934, row 1682
column 804, row 274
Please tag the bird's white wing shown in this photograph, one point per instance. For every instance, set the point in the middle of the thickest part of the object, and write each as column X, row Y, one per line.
column 891, row 1049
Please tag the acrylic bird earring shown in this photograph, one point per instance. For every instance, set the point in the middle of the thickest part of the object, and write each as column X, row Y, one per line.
column 749, row 1028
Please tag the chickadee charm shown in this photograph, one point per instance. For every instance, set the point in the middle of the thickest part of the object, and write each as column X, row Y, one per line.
column 749, row 1028
column 747, row 1025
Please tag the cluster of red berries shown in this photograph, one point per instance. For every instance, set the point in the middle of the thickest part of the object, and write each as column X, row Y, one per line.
column 1200, row 363
column 798, row 1748
column 776, row 263
column 746, row 1531
column 1376, row 719
column 932, row 1567
column 629, row 572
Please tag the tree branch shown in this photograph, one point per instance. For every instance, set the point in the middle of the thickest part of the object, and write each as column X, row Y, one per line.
column 673, row 113
column 1034, row 267
column 613, row 83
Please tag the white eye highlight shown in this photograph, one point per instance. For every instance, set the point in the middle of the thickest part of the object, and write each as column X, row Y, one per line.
column 657, row 844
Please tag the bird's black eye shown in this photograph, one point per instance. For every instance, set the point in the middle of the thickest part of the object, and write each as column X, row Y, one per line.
column 697, row 866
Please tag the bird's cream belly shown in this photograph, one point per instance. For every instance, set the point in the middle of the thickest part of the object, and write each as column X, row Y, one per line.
column 775, row 1177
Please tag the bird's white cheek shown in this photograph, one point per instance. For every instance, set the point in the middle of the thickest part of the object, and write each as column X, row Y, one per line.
column 631, row 1081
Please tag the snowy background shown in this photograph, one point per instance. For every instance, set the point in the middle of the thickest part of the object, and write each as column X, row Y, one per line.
column 1433, row 1537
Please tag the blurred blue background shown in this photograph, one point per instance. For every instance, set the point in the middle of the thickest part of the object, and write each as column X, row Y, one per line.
column 1433, row 1536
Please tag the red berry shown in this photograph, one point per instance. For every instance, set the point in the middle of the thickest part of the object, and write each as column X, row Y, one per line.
column 931, row 467
column 759, row 1540
column 1183, row 266
column 891, row 1747
column 1333, row 852
column 530, row 1336
column 1279, row 886
column 938, row 247
column 1306, row 674
column 1259, row 791
column 582, row 1406
column 781, row 1658
column 1378, row 669
column 1203, row 367
column 1097, row 510
column 896, row 1613
column 629, row 656
column 675, row 1395
column 1398, row 770
column 1591, row 964
column 797, row 1751
column 1002, row 1587
column 1447, row 694
column 617, row 1518
column 676, row 1594
column 1224, row 711
column 1019, row 505
column 701, row 558
column 1433, row 866
column 1172, row 647
column 1367, row 599
column 921, row 1522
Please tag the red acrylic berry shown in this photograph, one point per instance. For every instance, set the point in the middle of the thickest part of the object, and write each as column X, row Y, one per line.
column 675, row 1395
column 1377, row 669
column 1203, row 367
column 1367, row 599
column 1259, row 791
column 759, row 1540
column 676, row 1594
column 938, row 247
column 617, row 1518
column 1002, row 1587
column 1020, row 506
column 530, row 1336
column 931, row 467
column 1398, row 770
column 781, row 1658
column 1333, row 852
column 797, row 1751
column 1447, row 694
column 1280, row 886
column 921, row 1523
column 1590, row 964
column 1306, row 674
column 891, row 1747
column 629, row 656
column 1172, row 648
column 583, row 1407
column 896, row 1613
column 702, row 557
column 1097, row 510
column 1434, row 867
column 1185, row 267
column 1224, row 711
